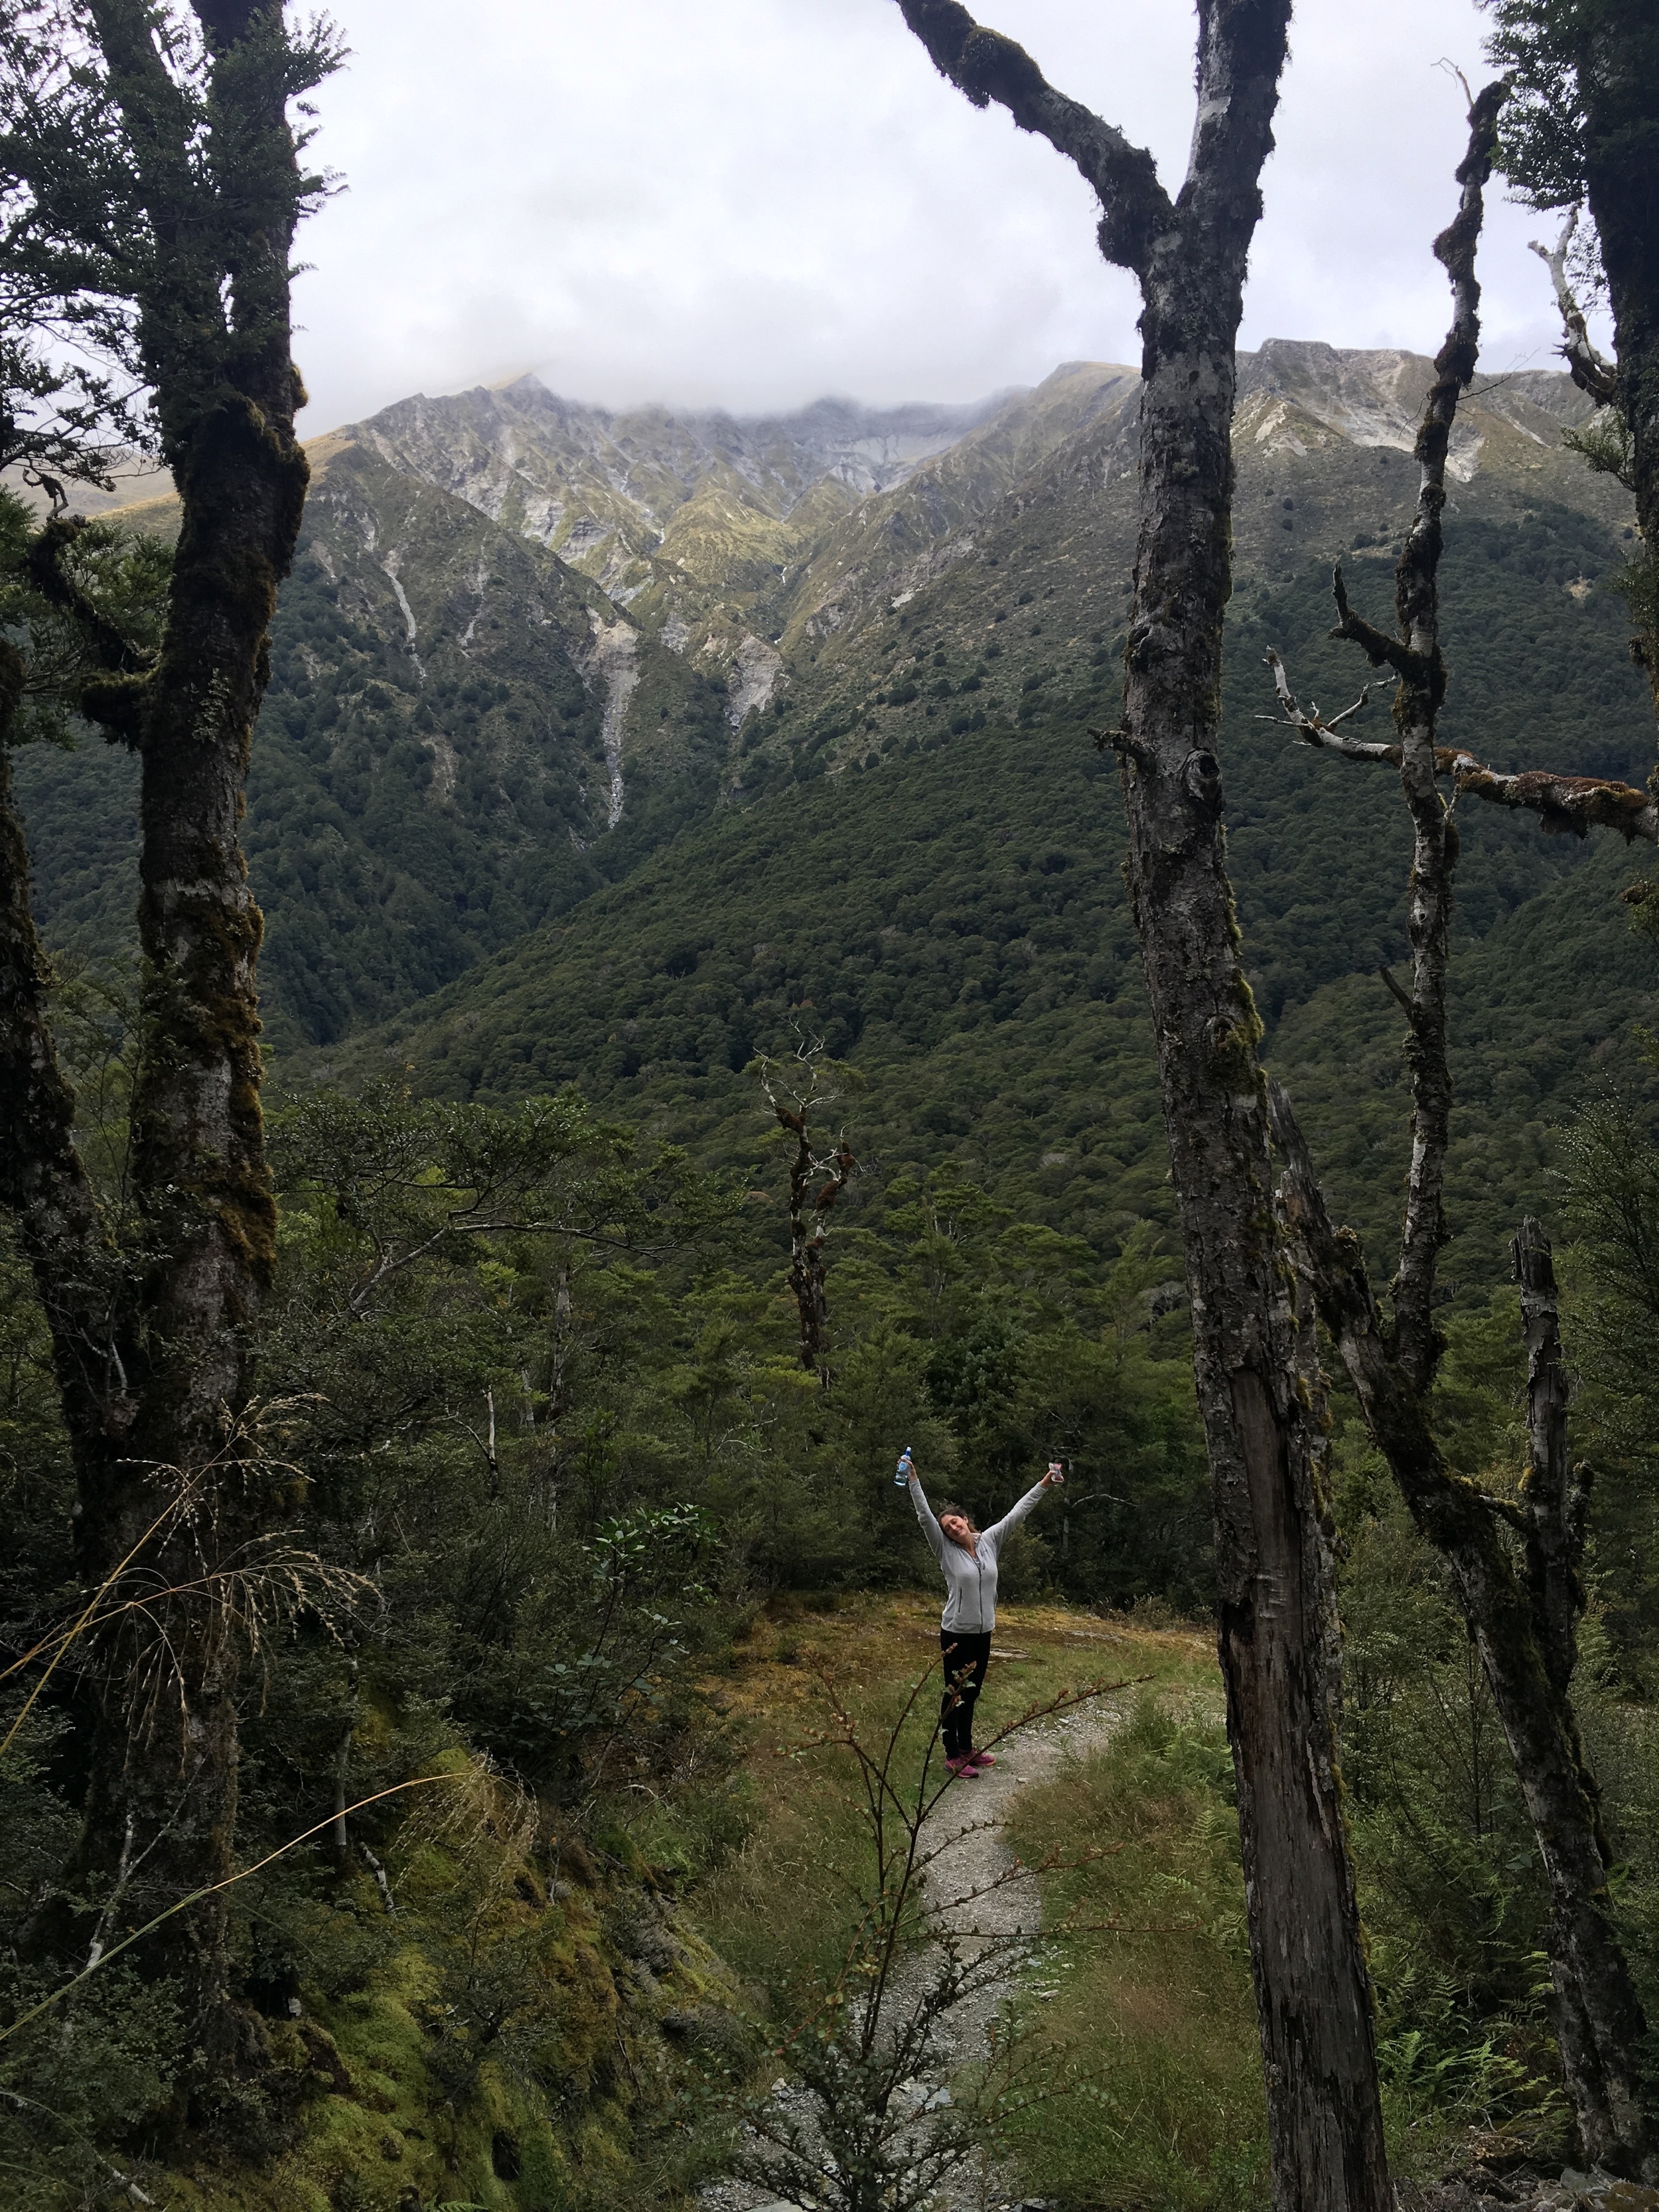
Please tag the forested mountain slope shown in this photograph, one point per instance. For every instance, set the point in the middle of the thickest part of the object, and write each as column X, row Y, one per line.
column 439, row 760
column 953, row 920
column 836, row 673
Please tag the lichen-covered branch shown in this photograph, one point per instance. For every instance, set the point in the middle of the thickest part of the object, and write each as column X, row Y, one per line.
column 1414, row 653
column 1416, row 708
column 1566, row 805
column 1378, row 647
column 1569, row 805
column 1589, row 369
column 1312, row 728
column 985, row 66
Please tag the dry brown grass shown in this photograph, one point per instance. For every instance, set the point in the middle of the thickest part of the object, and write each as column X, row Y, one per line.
column 1150, row 2029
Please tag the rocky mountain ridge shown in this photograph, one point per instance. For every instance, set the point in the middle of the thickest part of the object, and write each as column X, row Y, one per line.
column 469, row 733
column 747, row 545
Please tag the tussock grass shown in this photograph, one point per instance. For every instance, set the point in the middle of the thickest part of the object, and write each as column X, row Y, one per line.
column 1147, row 2028
column 1148, row 2013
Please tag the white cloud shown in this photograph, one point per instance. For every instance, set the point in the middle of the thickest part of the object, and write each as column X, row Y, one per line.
column 749, row 202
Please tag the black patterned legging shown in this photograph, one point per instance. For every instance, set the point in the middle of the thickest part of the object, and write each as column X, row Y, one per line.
column 965, row 1659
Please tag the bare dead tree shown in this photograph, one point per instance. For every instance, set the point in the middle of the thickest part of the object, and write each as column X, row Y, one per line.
column 1515, row 1567
column 1588, row 366
column 1276, row 1628
column 796, row 1104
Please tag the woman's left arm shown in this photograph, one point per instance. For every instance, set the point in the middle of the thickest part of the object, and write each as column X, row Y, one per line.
column 1011, row 1519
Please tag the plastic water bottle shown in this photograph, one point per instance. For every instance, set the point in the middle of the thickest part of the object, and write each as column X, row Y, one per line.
column 902, row 1480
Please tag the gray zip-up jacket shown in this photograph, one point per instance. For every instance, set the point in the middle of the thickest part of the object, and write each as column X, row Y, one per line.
column 971, row 1578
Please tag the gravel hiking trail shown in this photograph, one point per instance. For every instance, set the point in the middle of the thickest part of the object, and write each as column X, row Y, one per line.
column 967, row 1831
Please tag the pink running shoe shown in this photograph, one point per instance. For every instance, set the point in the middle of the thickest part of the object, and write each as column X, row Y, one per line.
column 963, row 1769
column 981, row 1759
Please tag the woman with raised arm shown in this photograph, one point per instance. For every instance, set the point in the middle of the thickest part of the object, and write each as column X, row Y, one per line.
column 968, row 1557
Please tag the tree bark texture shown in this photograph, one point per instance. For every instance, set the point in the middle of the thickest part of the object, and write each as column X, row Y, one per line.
column 156, row 1377
column 1523, row 1622
column 1619, row 88
column 1524, row 1625
column 1277, row 1630
column 226, row 402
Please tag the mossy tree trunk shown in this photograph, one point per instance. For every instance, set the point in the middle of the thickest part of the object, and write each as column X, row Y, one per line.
column 1278, row 1635
column 154, row 1328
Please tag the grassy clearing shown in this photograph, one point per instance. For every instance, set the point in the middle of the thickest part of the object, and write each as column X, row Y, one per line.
column 1148, row 2032
column 1148, row 2013
column 1142, row 2016
column 777, row 1909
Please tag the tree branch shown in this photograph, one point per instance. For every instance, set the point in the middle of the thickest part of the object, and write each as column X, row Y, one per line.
column 43, row 1181
column 1417, row 706
column 1312, row 729
column 109, row 649
column 1590, row 369
column 1328, row 1259
column 1454, row 365
column 1555, row 1498
column 1566, row 805
column 985, row 66
column 1378, row 647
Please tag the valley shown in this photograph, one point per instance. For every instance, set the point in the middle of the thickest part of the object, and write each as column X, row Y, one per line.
column 604, row 756
column 615, row 750
column 632, row 1033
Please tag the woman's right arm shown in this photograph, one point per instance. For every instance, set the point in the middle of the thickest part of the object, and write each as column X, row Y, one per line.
column 930, row 1527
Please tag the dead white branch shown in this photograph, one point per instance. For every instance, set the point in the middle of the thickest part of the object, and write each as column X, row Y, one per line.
column 1566, row 805
column 1591, row 370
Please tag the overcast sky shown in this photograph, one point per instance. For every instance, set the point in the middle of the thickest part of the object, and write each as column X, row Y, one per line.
column 748, row 204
